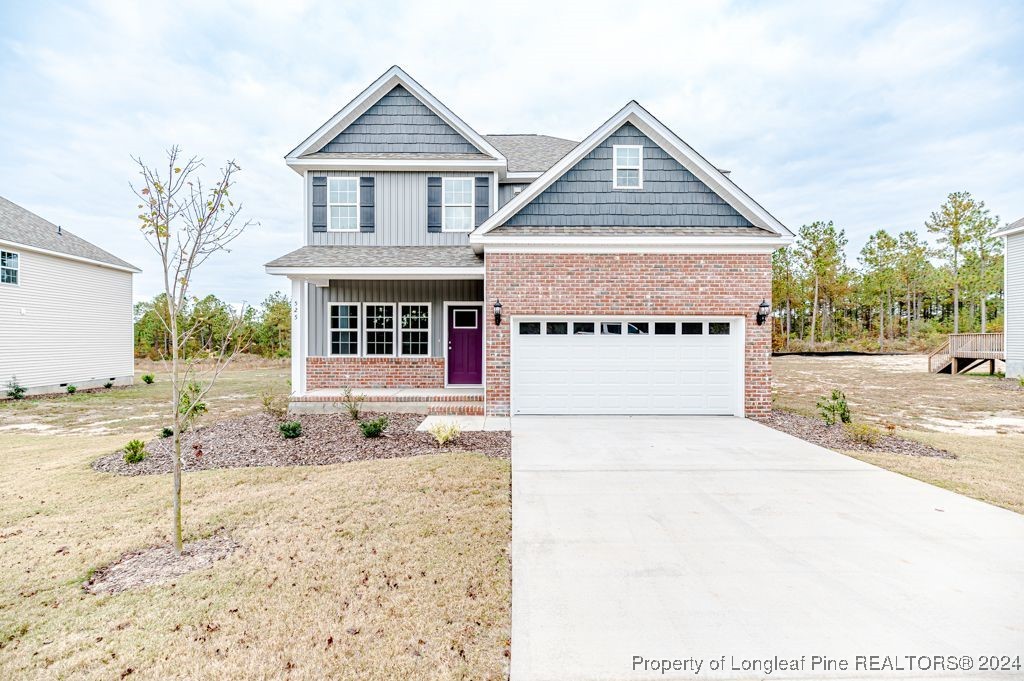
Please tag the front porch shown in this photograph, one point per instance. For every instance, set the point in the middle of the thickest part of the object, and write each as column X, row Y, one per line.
column 397, row 341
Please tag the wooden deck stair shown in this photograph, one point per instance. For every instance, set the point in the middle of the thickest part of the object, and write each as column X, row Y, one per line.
column 962, row 352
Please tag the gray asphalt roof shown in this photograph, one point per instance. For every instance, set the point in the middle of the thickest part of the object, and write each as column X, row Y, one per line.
column 379, row 256
column 531, row 153
column 24, row 227
column 587, row 230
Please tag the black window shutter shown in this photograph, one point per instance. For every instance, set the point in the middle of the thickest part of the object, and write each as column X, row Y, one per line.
column 319, row 203
column 433, row 204
column 482, row 200
column 366, row 204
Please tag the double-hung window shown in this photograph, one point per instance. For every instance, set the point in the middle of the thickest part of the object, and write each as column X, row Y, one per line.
column 8, row 267
column 457, row 206
column 379, row 329
column 414, row 328
column 343, row 204
column 344, row 328
column 627, row 166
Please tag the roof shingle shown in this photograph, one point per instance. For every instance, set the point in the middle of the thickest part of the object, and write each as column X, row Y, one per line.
column 379, row 256
column 21, row 226
column 531, row 153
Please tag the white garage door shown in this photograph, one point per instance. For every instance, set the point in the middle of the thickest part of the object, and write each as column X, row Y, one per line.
column 584, row 365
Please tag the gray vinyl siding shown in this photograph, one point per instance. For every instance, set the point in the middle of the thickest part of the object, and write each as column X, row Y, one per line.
column 400, row 212
column 399, row 122
column 1015, row 305
column 507, row 191
column 345, row 291
column 671, row 196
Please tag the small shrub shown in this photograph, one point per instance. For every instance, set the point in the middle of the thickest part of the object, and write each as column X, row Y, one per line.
column 134, row 451
column 108, row 385
column 833, row 409
column 148, row 378
column 445, row 432
column 1019, row 380
column 273, row 404
column 353, row 403
column 166, row 431
column 290, row 429
column 373, row 427
column 864, row 433
column 72, row 389
column 15, row 390
column 890, row 427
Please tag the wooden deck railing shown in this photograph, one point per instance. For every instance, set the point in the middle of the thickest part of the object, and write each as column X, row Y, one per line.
column 977, row 345
column 939, row 358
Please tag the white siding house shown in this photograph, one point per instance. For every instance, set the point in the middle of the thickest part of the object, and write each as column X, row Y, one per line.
column 65, row 307
column 1014, row 291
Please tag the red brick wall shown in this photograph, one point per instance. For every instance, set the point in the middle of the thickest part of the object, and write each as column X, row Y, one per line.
column 630, row 283
column 374, row 372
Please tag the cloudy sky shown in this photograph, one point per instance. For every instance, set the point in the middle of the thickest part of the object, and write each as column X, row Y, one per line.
column 864, row 113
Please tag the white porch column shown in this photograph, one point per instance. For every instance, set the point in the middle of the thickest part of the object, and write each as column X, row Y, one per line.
column 300, row 330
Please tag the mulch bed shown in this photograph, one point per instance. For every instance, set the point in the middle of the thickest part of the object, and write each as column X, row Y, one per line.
column 834, row 437
column 255, row 440
column 139, row 569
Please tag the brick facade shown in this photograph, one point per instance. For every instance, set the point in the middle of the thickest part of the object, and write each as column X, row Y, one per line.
column 374, row 372
column 630, row 283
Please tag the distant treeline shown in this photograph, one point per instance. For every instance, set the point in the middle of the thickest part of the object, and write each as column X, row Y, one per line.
column 902, row 294
column 266, row 330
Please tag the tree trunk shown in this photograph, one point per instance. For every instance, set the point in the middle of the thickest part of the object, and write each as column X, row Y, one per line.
column 175, row 398
column 789, row 320
column 814, row 312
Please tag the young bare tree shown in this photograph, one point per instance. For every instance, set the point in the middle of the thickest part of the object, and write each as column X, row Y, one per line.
column 187, row 222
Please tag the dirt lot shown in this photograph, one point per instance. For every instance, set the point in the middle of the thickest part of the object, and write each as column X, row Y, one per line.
column 379, row 569
column 980, row 418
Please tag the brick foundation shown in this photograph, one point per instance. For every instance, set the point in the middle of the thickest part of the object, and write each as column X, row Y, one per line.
column 630, row 283
column 374, row 372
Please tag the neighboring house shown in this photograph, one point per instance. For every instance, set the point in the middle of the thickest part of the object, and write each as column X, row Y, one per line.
column 65, row 307
column 1013, row 289
column 629, row 270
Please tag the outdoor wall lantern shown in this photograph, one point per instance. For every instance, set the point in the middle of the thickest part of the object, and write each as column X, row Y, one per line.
column 762, row 312
column 497, row 312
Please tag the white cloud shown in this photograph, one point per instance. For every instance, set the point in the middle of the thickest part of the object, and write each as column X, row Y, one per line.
column 864, row 113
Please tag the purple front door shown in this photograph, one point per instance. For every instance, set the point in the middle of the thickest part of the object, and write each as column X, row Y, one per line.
column 465, row 345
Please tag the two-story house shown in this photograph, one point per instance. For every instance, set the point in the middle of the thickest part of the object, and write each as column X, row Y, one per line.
column 623, row 274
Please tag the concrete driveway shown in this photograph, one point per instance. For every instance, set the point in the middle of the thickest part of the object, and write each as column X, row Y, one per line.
column 694, row 538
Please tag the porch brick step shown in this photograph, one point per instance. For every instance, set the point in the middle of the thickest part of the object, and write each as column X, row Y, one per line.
column 427, row 399
column 461, row 409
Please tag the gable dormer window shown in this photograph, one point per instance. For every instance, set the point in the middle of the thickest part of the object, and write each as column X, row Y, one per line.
column 627, row 166
column 457, row 208
column 343, row 204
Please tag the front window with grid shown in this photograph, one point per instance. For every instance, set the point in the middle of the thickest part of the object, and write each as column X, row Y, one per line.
column 379, row 325
column 342, row 204
column 345, row 329
column 458, row 204
column 8, row 267
column 628, row 167
column 415, row 329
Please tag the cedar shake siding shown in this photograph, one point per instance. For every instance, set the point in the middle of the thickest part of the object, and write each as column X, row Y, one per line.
column 624, row 284
column 671, row 195
column 400, row 123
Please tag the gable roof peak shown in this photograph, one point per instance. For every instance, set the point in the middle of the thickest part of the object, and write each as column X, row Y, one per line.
column 395, row 76
column 671, row 143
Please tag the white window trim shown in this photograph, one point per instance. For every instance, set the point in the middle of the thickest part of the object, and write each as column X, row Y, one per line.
column 430, row 335
column 471, row 204
column 17, row 270
column 329, row 204
column 358, row 329
column 639, row 167
column 476, row 320
column 366, row 330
